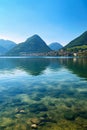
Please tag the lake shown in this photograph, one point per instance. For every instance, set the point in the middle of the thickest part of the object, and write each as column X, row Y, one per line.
column 48, row 93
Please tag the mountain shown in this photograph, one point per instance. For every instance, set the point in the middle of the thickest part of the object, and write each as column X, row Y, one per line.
column 2, row 50
column 7, row 44
column 78, row 43
column 55, row 46
column 33, row 44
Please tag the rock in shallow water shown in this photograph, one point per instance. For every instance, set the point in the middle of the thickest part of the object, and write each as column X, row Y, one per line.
column 37, row 108
column 35, row 121
column 70, row 115
column 34, row 126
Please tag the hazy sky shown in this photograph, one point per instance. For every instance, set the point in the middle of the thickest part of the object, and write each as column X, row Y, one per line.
column 54, row 20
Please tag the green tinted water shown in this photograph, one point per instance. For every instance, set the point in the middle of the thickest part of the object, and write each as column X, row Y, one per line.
column 50, row 93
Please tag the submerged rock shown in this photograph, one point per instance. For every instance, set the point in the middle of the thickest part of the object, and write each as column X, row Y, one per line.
column 70, row 115
column 68, row 104
column 20, row 111
column 41, row 121
column 46, row 118
column 83, row 114
column 38, row 107
column 34, row 126
column 35, row 121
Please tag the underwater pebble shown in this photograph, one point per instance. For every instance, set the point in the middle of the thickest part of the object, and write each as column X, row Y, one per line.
column 22, row 111
column 35, row 121
column 19, row 111
column 34, row 126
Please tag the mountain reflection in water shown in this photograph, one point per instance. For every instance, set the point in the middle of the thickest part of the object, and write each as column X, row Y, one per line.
column 37, row 66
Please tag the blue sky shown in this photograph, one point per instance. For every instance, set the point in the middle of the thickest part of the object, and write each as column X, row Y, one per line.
column 54, row 20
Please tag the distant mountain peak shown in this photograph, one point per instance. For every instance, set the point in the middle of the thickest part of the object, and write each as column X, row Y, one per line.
column 6, row 45
column 35, row 36
column 55, row 46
